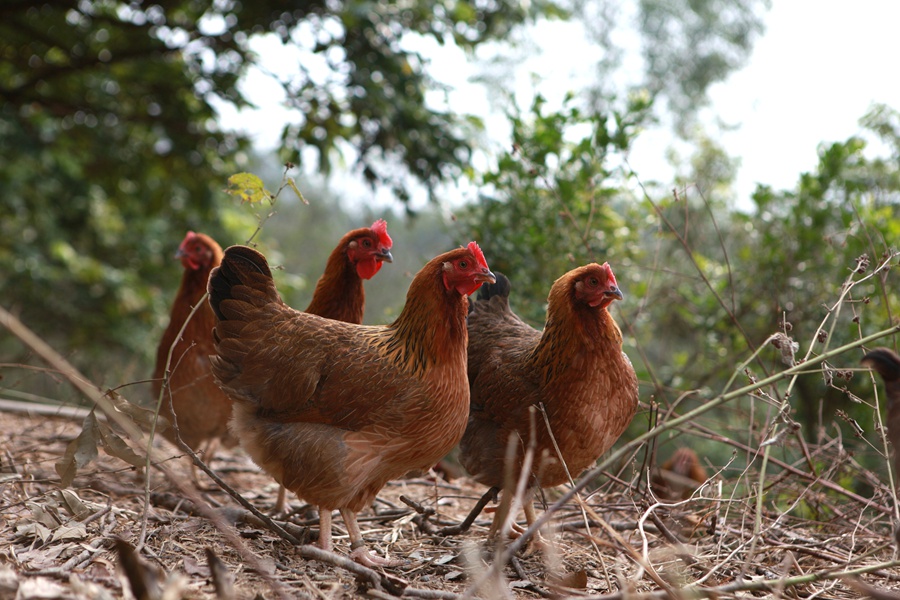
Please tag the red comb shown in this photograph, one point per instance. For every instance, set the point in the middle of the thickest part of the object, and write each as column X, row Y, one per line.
column 610, row 275
column 479, row 255
column 380, row 229
column 190, row 235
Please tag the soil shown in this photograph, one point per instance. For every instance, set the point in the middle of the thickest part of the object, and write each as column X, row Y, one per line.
column 77, row 542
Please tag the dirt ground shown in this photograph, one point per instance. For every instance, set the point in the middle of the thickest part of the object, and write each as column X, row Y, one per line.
column 61, row 543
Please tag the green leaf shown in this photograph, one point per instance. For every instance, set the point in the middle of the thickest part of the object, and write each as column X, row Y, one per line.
column 294, row 187
column 248, row 187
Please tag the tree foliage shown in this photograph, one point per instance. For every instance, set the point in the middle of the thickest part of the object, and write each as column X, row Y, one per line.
column 108, row 110
column 553, row 200
column 688, row 45
column 706, row 285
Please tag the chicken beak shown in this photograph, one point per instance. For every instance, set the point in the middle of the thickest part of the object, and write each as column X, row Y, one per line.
column 485, row 276
column 180, row 253
column 384, row 255
column 614, row 292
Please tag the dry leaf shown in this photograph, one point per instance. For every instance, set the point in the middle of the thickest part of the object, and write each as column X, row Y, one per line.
column 223, row 580
column 33, row 530
column 875, row 593
column 9, row 582
column 85, row 588
column 46, row 514
column 78, row 531
column 41, row 588
column 114, row 445
column 141, row 416
column 576, row 580
column 74, row 505
column 41, row 558
column 193, row 567
column 444, row 559
column 80, row 451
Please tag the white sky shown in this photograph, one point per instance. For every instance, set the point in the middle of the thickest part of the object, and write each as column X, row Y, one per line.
column 816, row 70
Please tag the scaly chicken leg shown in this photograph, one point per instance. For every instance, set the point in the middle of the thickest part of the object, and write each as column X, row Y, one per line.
column 358, row 550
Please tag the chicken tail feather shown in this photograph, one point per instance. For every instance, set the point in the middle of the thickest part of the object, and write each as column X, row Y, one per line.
column 241, row 266
column 498, row 289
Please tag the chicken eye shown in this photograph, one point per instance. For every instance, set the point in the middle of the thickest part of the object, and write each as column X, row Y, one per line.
column 593, row 281
column 463, row 264
column 367, row 243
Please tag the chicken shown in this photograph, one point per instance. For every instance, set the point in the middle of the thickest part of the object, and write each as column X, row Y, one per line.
column 334, row 410
column 339, row 293
column 201, row 408
column 886, row 363
column 680, row 476
column 575, row 369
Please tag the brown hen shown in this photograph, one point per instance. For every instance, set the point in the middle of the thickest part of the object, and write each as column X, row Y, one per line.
column 680, row 476
column 575, row 369
column 339, row 293
column 334, row 410
column 201, row 408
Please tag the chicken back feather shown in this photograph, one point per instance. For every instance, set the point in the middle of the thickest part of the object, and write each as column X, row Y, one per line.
column 334, row 410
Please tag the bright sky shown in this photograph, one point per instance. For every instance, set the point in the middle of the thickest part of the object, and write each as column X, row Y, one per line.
column 817, row 69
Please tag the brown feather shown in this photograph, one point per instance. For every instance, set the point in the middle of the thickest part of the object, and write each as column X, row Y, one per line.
column 334, row 410
column 339, row 292
column 680, row 476
column 575, row 368
column 201, row 408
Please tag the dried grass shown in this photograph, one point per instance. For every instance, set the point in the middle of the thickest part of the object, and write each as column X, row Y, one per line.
column 779, row 517
column 802, row 538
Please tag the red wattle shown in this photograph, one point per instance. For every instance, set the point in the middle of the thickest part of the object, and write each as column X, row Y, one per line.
column 367, row 268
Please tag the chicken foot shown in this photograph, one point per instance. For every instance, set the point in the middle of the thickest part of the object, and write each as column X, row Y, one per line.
column 358, row 550
column 537, row 541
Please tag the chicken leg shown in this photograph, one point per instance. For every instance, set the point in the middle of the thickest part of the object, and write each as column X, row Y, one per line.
column 358, row 551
